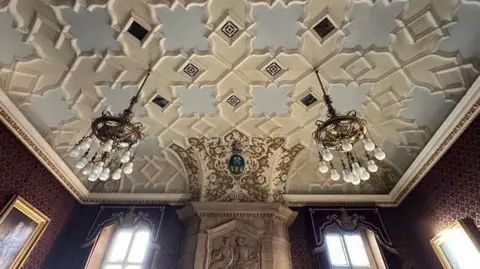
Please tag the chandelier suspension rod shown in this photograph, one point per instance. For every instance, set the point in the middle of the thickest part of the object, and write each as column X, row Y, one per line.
column 135, row 98
column 326, row 98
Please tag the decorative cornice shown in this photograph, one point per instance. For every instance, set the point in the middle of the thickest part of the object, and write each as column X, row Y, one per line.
column 301, row 203
column 336, row 199
column 444, row 146
column 270, row 211
column 33, row 147
column 137, row 198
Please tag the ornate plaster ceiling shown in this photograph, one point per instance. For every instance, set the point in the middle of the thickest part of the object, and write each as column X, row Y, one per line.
column 238, row 68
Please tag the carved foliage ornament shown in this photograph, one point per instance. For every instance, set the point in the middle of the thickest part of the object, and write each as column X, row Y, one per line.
column 262, row 176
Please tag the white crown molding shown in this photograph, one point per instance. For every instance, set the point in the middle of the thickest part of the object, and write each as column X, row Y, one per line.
column 327, row 199
column 142, row 198
column 458, row 120
column 238, row 210
column 14, row 119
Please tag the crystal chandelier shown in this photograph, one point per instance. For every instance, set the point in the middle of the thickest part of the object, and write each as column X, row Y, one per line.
column 109, row 146
column 337, row 139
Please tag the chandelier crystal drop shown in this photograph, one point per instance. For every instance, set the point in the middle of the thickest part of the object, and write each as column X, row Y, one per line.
column 342, row 140
column 108, row 149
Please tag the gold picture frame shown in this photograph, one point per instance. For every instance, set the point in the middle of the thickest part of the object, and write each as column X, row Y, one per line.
column 21, row 226
column 463, row 231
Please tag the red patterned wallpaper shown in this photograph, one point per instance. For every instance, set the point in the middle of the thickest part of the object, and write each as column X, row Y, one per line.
column 450, row 191
column 21, row 173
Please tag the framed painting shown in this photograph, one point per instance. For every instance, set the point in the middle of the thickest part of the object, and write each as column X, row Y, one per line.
column 21, row 226
column 458, row 246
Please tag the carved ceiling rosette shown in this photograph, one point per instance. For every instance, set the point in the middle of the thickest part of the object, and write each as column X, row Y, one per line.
column 263, row 179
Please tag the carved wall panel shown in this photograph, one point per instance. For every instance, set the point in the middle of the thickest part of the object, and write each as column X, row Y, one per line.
column 233, row 245
column 236, row 236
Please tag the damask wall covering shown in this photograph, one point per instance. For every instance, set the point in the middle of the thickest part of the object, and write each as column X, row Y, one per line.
column 450, row 191
column 21, row 173
column 74, row 245
column 300, row 249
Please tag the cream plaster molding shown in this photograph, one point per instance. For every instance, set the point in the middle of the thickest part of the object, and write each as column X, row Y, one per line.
column 141, row 198
column 11, row 116
column 404, row 86
column 327, row 199
column 458, row 120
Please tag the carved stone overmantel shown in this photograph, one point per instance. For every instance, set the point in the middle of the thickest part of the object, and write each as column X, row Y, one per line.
column 236, row 236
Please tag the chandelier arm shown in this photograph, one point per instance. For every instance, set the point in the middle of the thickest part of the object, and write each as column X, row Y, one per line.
column 367, row 154
column 355, row 155
column 135, row 98
column 326, row 98
column 350, row 158
column 319, row 154
column 370, row 135
column 343, row 162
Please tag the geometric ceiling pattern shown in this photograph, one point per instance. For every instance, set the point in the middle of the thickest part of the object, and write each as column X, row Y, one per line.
column 239, row 67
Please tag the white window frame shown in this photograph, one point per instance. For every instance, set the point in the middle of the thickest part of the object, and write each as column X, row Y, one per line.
column 124, row 263
column 370, row 245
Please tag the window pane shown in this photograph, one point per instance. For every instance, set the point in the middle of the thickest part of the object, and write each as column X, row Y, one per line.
column 335, row 250
column 120, row 246
column 133, row 267
column 460, row 250
column 139, row 246
column 356, row 250
column 112, row 267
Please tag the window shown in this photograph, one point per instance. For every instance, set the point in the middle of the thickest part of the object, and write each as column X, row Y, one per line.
column 353, row 251
column 456, row 245
column 127, row 250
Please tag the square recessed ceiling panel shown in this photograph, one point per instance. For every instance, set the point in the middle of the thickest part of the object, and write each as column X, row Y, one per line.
column 191, row 70
column 324, row 27
column 137, row 30
column 273, row 69
column 160, row 101
column 308, row 100
column 229, row 29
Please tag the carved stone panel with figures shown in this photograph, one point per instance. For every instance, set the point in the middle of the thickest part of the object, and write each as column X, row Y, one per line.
column 234, row 245
column 235, row 252
column 236, row 236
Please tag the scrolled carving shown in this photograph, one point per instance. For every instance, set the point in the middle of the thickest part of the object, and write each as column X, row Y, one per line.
column 206, row 161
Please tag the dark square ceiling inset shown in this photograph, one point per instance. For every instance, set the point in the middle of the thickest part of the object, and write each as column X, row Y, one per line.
column 273, row 69
column 229, row 29
column 233, row 100
column 190, row 70
column 160, row 101
column 309, row 100
column 138, row 31
column 324, row 27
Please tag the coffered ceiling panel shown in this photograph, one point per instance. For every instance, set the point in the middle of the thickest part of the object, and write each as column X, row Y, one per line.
column 223, row 69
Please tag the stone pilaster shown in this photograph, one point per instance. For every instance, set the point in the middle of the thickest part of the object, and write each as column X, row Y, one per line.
column 228, row 235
